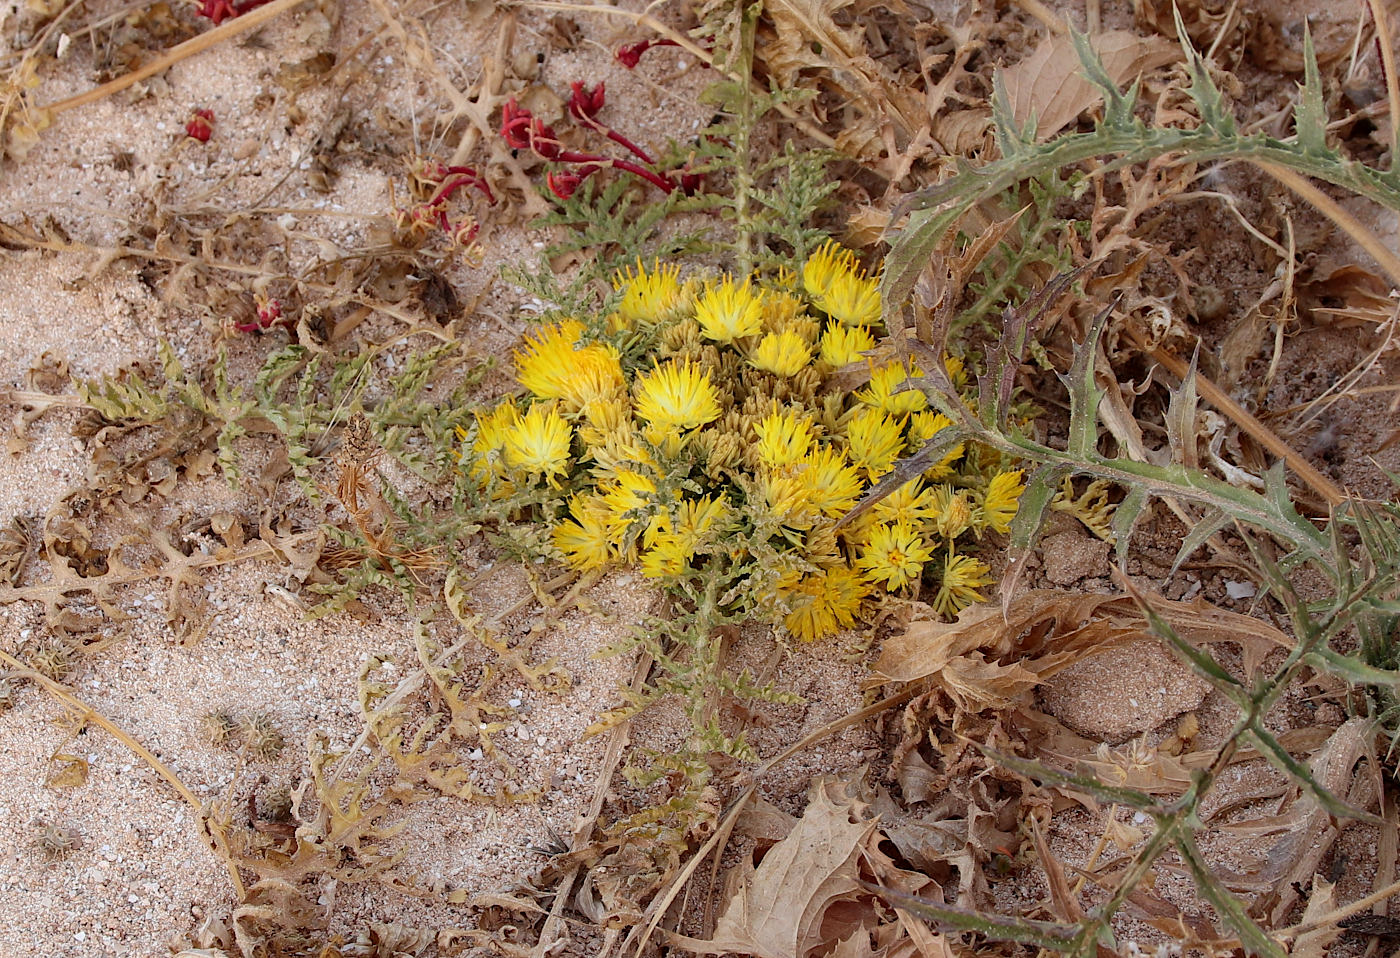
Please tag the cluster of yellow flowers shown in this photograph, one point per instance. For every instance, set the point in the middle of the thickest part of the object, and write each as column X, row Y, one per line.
column 704, row 421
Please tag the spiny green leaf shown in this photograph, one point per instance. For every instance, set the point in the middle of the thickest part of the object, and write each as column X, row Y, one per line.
column 1277, row 756
column 1043, row 934
column 1228, row 906
column 1118, row 106
column 1084, row 393
column 1125, row 519
column 1202, row 662
column 1033, row 507
column 1309, row 116
column 1012, row 140
column 1203, row 90
column 1208, row 525
column 1352, row 669
column 1109, row 794
column 911, row 252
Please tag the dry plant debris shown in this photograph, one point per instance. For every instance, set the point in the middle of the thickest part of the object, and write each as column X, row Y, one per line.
column 718, row 432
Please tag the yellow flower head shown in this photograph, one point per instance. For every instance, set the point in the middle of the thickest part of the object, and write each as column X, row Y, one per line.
column 699, row 518
column 676, row 396
column 539, row 443
column 650, row 297
column 488, row 447
column 553, row 366
column 833, row 485
column 908, row 504
column 825, row 266
column 672, row 540
column 628, row 497
column 962, row 577
column 616, row 449
column 783, row 438
column 664, row 552
column 782, row 353
column 843, row 345
column 953, row 512
column 787, row 496
column 823, row 602
column 586, row 541
column 544, row 364
column 727, row 312
column 895, row 555
column 874, row 441
column 884, row 390
column 852, row 300
column 1000, row 501
column 957, row 371
column 923, row 426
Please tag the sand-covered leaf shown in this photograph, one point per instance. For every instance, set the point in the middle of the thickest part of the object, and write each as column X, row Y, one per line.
column 985, row 660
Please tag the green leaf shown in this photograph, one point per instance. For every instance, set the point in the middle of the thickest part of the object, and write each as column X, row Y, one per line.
column 911, row 252
column 1309, row 116
column 1118, row 106
column 1012, row 140
column 1084, row 393
column 1125, row 518
column 1228, row 906
column 1203, row 663
column 1212, row 522
column 1033, row 507
column 1043, row 934
column 1209, row 101
column 1108, row 794
column 1277, row 756
column 1352, row 669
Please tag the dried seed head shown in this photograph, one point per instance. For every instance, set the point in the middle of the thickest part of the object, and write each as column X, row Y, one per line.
column 682, row 338
column 359, row 446
column 53, row 659
column 55, row 842
column 261, row 737
column 275, row 804
column 218, row 727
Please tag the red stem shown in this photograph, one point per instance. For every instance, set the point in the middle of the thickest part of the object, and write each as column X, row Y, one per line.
column 458, row 178
column 651, row 176
column 618, row 138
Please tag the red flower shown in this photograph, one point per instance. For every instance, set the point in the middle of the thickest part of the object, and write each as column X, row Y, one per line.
column 221, row 10
column 563, row 183
column 585, row 104
column 514, row 121
column 200, row 126
column 631, row 54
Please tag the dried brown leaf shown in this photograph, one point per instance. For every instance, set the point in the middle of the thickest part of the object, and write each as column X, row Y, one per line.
column 809, row 37
column 985, row 660
column 806, row 895
column 1309, row 830
column 1050, row 86
column 68, row 771
column 890, row 116
column 778, row 908
column 1322, row 901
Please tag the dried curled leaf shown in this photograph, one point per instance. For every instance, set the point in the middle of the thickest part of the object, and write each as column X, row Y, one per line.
column 809, row 892
column 1050, row 86
column 986, row 661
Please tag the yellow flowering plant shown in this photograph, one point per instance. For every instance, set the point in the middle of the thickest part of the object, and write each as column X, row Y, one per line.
column 700, row 430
